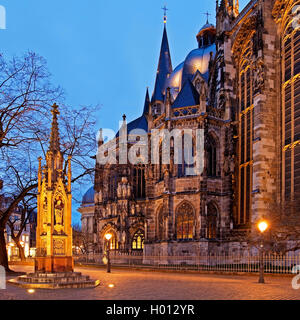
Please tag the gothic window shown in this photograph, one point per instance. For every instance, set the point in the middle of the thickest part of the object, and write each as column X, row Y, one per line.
column 113, row 185
column 160, row 170
column 180, row 167
column 245, row 136
column 212, row 215
column 186, row 156
column 139, row 183
column 138, row 240
column 290, row 105
column 185, row 221
column 211, row 157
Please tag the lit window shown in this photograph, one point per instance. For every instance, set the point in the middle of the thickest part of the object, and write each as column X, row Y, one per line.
column 184, row 221
column 290, row 108
column 138, row 240
column 246, row 121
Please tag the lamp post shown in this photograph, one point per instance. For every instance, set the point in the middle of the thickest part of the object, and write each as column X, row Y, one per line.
column 262, row 227
column 108, row 237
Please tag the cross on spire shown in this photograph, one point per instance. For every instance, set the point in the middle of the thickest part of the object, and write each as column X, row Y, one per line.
column 207, row 14
column 165, row 13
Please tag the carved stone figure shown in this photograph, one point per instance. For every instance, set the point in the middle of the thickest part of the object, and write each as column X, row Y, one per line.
column 259, row 76
column 132, row 209
column 44, row 216
column 58, row 214
column 119, row 190
column 203, row 91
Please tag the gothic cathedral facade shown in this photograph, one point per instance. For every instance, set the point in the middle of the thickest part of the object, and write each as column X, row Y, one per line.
column 241, row 85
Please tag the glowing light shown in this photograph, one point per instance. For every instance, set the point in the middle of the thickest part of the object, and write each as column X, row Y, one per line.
column 108, row 236
column 111, row 285
column 31, row 291
column 263, row 226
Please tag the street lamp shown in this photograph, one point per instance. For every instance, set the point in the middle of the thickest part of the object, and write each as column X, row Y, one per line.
column 108, row 236
column 262, row 227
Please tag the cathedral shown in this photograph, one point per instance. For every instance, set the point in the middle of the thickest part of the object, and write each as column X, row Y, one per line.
column 241, row 86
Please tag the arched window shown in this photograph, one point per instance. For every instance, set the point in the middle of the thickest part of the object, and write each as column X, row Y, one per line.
column 212, row 216
column 139, row 183
column 186, row 154
column 113, row 185
column 185, row 221
column 246, row 125
column 138, row 240
column 291, row 103
column 211, row 157
column 160, row 165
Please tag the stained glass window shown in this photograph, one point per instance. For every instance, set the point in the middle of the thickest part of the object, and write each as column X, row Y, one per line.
column 185, row 221
column 290, row 108
column 139, row 184
column 245, row 137
column 138, row 240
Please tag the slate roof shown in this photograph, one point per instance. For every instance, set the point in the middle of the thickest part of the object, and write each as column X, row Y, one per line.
column 88, row 197
column 147, row 103
column 188, row 96
column 164, row 69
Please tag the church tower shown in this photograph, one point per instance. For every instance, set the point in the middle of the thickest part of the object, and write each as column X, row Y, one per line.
column 231, row 6
column 164, row 70
column 54, row 230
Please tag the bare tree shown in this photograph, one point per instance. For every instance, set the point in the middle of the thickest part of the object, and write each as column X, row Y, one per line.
column 21, row 221
column 82, row 240
column 25, row 120
column 26, row 94
column 283, row 233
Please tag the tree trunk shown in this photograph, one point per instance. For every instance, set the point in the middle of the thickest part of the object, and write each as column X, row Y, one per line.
column 21, row 249
column 3, row 252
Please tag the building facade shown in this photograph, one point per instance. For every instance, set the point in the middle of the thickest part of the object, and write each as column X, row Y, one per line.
column 27, row 238
column 241, row 87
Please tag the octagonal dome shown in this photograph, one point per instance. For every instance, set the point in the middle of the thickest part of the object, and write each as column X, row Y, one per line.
column 88, row 197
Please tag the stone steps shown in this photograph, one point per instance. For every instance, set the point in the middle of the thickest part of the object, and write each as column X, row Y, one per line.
column 54, row 281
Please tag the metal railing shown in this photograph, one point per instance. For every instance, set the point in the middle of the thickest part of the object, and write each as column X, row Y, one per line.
column 273, row 263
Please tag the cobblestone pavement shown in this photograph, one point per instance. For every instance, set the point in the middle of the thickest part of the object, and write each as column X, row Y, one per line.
column 147, row 285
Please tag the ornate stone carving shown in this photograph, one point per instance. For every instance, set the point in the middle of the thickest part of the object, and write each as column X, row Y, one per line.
column 58, row 214
column 258, row 76
column 58, row 247
column 44, row 217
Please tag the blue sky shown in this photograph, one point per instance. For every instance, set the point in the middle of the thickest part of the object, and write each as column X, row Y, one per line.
column 103, row 52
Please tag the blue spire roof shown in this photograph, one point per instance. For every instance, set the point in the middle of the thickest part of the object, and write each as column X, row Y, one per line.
column 147, row 103
column 188, row 96
column 164, row 69
column 88, row 197
column 141, row 122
